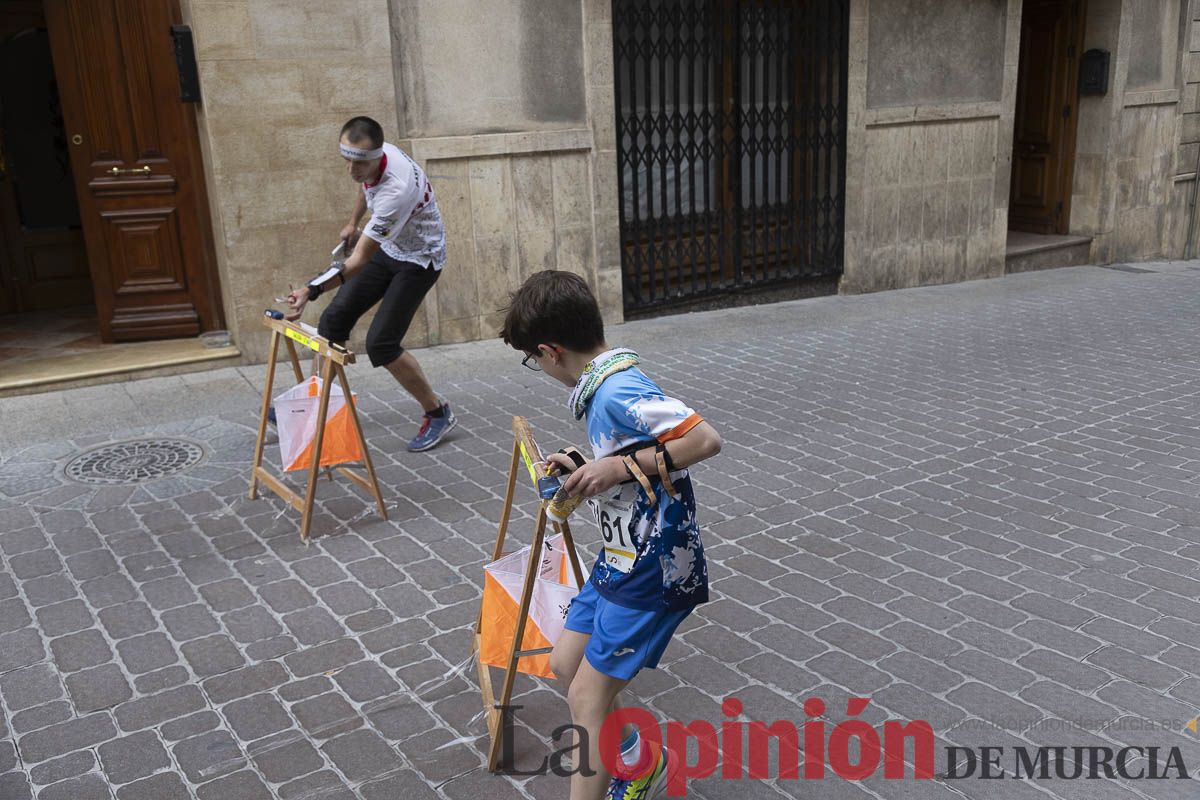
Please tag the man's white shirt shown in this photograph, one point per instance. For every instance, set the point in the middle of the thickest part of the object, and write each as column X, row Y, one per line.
column 404, row 215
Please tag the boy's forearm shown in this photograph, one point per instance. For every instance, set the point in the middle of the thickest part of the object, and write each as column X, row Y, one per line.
column 699, row 443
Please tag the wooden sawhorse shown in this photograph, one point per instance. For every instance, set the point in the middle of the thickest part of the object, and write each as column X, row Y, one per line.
column 333, row 358
column 524, row 448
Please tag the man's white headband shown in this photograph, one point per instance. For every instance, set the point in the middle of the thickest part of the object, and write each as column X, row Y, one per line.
column 358, row 154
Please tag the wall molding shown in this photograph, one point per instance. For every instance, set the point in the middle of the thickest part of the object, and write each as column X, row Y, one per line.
column 442, row 148
column 1151, row 97
column 914, row 115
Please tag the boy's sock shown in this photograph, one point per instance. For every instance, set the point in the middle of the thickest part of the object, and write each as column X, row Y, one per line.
column 440, row 411
column 631, row 749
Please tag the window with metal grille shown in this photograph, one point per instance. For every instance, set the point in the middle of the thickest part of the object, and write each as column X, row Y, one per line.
column 730, row 144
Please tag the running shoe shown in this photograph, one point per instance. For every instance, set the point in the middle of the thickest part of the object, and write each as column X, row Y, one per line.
column 433, row 430
column 648, row 786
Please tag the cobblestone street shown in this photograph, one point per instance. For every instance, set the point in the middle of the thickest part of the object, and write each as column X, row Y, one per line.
column 975, row 504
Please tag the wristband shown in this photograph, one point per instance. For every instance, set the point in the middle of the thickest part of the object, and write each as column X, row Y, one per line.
column 635, row 471
column 314, row 286
column 575, row 456
column 662, row 448
column 664, row 474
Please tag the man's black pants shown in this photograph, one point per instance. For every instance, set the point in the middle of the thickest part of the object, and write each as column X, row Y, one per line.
column 400, row 285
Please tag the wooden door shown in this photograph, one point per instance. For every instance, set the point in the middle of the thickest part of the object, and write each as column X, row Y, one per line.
column 43, row 265
column 138, row 173
column 1046, row 111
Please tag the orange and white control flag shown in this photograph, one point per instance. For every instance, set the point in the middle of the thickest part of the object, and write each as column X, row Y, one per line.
column 553, row 590
column 296, row 416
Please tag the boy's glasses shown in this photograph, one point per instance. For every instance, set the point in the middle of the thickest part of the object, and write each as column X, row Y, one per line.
column 529, row 362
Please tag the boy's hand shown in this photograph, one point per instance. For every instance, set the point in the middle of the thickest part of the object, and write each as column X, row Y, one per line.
column 559, row 464
column 595, row 477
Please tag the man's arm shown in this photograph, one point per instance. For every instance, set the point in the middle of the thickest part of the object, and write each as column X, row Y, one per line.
column 349, row 234
column 360, row 208
column 361, row 249
column 390, row 210
column 364, row 251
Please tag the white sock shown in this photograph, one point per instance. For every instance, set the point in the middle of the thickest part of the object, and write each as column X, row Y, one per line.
column 631, row 749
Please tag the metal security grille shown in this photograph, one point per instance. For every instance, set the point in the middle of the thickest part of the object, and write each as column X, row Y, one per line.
column 731, row 144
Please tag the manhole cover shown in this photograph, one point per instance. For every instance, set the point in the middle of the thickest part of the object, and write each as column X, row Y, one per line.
column 134, row 462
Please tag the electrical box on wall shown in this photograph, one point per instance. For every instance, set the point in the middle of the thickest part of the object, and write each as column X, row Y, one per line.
column 1093, row 73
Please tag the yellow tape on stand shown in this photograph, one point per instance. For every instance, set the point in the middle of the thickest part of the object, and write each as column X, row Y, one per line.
column 302, row 339
column 533, row 476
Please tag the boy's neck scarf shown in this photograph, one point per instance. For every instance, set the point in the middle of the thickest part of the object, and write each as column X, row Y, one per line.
column 607, row 363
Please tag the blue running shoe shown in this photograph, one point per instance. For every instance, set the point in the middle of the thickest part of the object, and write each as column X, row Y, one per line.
column 271, row 417
column 433, row 430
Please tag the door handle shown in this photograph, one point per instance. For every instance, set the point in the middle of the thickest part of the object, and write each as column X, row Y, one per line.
column 115, row 171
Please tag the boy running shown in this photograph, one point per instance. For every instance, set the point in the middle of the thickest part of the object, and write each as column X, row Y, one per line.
column 651, row 573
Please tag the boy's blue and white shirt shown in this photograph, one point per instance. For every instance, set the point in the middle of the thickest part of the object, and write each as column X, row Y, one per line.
column 669, row 571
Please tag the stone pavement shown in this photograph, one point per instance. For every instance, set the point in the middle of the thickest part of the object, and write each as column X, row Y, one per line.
column 974, row 504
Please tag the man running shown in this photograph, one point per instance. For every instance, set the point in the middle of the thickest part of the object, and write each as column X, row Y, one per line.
column 395, row 263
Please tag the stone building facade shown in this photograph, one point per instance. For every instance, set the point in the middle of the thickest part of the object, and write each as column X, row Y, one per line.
column 503, row 103
column 931, row 145
column 509, row 106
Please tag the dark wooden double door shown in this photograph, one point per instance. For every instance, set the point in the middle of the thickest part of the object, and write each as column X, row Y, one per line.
column 1046, row 114
column 101, row 191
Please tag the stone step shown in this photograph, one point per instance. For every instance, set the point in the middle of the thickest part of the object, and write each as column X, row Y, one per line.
column 1027, row 252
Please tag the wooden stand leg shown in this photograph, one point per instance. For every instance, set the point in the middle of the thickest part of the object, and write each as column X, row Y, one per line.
column 494, row 717
column 510, row 674
column 498, row 550
column 310, row 491
column 508, row 499
column 362, row 441
column 572, row 556
column 262, row 417
column 296, row 370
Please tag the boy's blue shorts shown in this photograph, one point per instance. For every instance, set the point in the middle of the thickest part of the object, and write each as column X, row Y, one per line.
column 624, row 640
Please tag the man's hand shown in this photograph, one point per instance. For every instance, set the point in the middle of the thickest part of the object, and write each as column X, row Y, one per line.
column 296, row 300
column 594, row 477
column 349, row 235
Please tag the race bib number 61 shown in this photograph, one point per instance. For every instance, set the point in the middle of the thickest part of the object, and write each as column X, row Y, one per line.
column 613, row 515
